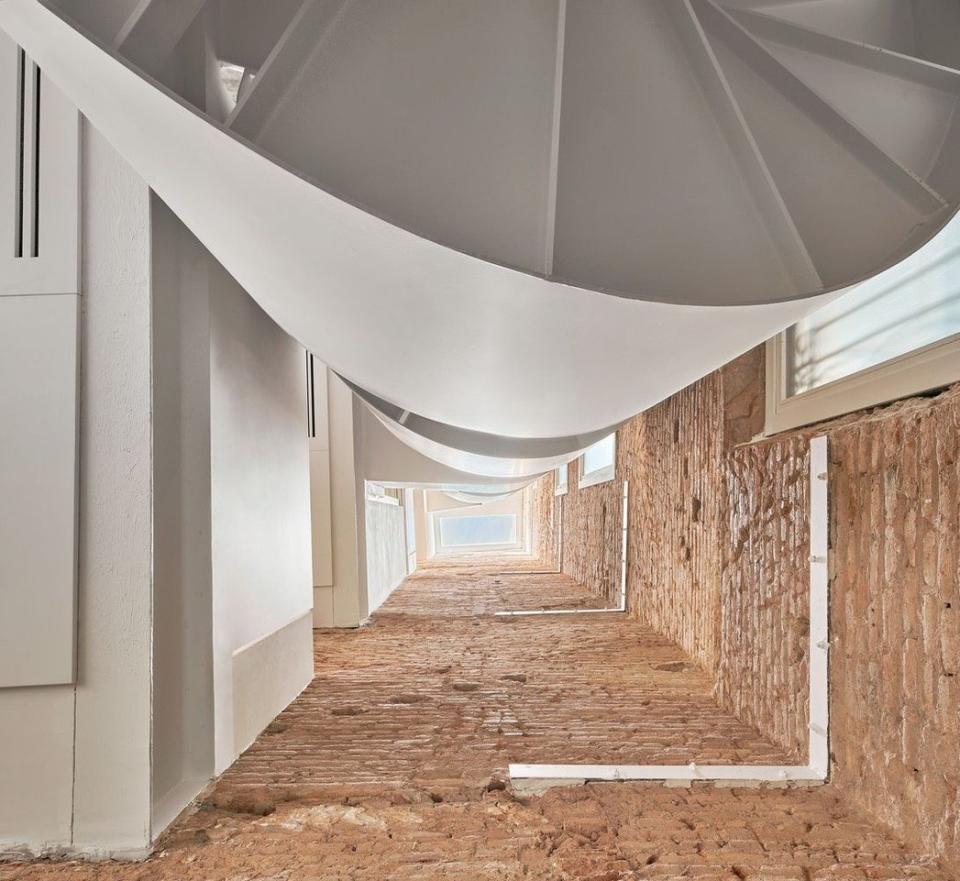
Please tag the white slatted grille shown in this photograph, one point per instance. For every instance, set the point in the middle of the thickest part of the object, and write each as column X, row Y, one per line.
column 39, row 180
column 26, row 217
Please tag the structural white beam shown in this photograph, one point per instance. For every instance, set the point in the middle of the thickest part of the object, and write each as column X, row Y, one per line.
column 900, row 180
column 790, row 246
column 551, row 222
column 789, row 33
column 302, row 37
column 153, row 30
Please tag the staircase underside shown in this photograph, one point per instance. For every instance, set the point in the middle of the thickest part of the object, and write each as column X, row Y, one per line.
column 529, row 219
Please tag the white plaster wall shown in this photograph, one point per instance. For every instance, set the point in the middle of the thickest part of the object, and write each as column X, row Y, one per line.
column 263, row 674
column 36, row 768
column 182, row 760
column 112, row 745
column 75, row 762
column 38, row 488
column 422, row 527
column 322, row 528
column 441, row 501
column 260, row 506
column 386, row 551
column 232, row 641
column 410, row 526
column 321, row 515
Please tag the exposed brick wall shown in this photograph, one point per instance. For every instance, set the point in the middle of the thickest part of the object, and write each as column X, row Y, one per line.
column 719, row 551
column 592, row 530
column 544, row 512
column 895, row 598
column 895, row 607
column 676, row 492
column 672, row 455
column 765, row 581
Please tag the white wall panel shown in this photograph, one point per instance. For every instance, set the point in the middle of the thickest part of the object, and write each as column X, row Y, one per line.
column 111, row 811
column 38, row 489
column 410, row 529
column 260, row 506
column 319, row 434
column 386, row 551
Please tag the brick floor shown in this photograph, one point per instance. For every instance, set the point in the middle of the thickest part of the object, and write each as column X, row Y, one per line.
column 392, row 764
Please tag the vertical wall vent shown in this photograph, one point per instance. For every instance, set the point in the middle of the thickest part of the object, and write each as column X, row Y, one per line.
column 26, row 152
column 311, row 398
column 39, row 180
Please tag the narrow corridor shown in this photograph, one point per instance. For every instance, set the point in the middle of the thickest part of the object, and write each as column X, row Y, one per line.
column 392, row 764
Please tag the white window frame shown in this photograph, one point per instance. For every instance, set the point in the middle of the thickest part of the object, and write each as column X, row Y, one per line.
column 929, row 367
column 378, row 493
column 600, row 475
column 563, row 483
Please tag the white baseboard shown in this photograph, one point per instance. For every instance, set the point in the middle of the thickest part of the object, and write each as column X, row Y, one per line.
column 268, row 675
column 172, row 804
column 323, row 606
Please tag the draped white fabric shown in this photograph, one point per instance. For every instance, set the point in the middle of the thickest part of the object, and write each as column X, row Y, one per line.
column 481, row 347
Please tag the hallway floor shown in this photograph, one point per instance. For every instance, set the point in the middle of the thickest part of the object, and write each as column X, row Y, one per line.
column 392, row 764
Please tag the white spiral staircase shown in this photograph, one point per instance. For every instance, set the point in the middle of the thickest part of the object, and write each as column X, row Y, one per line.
column 512, row 224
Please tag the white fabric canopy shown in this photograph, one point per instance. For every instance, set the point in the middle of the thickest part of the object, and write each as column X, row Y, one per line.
column 462, row 342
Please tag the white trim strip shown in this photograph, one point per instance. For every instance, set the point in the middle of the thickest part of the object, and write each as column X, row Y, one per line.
column 691, row 772
column 523, row 613
column 819, row 658
column 817, row 768
column 560, row 535
column 624, row 538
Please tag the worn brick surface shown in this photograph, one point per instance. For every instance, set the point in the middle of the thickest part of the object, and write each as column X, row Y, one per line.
column 545, row 514
column 439, row 695
column 763, row 673
column 895, row 482
column 391, row 764
column 592, row 527
column 719, row 553
column 895, row 608
column 611, row 832
column 671, row 455
column 676, row 501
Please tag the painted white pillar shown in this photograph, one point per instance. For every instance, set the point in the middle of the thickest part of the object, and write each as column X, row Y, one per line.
column 347, row 507
column 112, row 737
